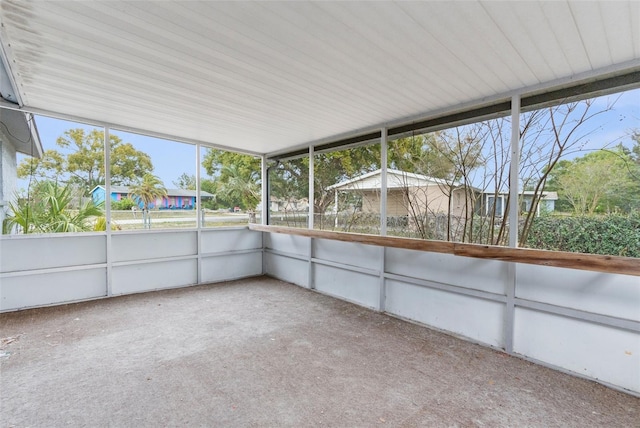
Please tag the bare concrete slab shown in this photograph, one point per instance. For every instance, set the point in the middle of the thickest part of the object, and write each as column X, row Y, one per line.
column 263, row 353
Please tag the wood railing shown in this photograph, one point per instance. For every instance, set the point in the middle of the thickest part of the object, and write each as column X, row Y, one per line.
column 591, row 262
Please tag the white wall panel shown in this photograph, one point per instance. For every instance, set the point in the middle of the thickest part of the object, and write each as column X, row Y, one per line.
column 136, row 278
column 222, row 268
column 219, row 241
column 150, row 245
column 477, row 319
column 287, row 269
column 366, row 256
column 287, row 243
column 604, row 353
column 602, row 293
column 58, row 287
column 47, row 251
column 485, row 275
column 353, row 286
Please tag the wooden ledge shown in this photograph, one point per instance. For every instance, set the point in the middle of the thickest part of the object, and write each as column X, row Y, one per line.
column 591, row 262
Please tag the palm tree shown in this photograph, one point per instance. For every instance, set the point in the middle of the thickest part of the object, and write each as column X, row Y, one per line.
column 146, row 193
column 50, row 211
column 242, row 187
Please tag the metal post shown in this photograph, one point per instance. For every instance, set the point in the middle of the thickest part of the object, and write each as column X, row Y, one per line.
column 311, row 189
column 383, row 182
column 107, row 207
column 264, row 218
column 509, row 317
column 513, row 171
column 335, row 209
column 200, row 208
column 311, row 281
column 200, row 214
column 383, row 217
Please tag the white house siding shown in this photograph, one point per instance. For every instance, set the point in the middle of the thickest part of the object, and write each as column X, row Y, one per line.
column 8, row 175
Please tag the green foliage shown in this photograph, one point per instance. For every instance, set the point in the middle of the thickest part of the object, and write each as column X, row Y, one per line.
column 148, row 190
column 218, row 200
column 334, row 167
column 123, row 204
column 634, row 153
column 215, row 160
column 449, row 155
column 146, row 193
column 229, row 173
column 239, row 187
column 50, row 210
column 614, row 234
column 186, row 181
column 598, row 182
column 81, row 161
column 414, row 154
column 49, row 167
column 101, row 225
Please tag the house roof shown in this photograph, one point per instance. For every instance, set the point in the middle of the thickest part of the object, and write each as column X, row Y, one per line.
column 395, row 180
column 124, row 190
column 21, row 132
column 268, row 77
column 18, row 128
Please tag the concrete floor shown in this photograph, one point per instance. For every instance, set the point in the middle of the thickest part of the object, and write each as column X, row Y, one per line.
column 263, row 353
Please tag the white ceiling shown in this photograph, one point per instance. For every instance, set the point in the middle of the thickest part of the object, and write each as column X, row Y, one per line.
column 269, row 76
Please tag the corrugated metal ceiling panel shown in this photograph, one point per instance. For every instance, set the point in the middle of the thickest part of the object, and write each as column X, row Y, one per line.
column 267, row 76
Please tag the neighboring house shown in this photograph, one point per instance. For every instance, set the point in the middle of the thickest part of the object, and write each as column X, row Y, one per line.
column 175, row 199
column 408, row 193
column 546, row 204
column 18, row 134
column 281, row 204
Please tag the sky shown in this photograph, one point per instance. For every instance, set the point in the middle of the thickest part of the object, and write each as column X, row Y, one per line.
column 171, row 159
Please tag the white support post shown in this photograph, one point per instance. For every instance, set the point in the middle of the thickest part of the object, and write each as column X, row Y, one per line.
column 107, row 207
column 200, row 220
column 509, row 317
column 311, row 189
column 264, row 217
column 199, row 208
column 335, row 209
column 311, row 280
column 514, row 171
column 383, row 217
column 383, row 182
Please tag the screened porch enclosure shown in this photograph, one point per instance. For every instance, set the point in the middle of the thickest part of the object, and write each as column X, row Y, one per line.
column 584, row 322
column 287, row 81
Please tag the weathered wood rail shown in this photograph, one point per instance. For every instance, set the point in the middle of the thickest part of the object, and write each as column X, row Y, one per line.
column 591, row 262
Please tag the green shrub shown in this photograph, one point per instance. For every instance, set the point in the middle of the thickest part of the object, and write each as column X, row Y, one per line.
column 123, row 204
column 614, row 234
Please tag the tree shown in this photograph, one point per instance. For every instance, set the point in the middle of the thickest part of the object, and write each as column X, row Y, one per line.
column 596, row 181
column 223, row 167
column 81, row 161
column 451, row 157
column 49, row 167
column 476, row 158
column 237, row 186
column 421, row 154
column 146, row 193
column 547, row 135
column 50, row 211
column 186, row 181
column 333, row 167
column 634, row 153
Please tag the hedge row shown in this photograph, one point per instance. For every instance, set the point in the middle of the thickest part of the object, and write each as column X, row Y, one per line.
column 616, row 235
